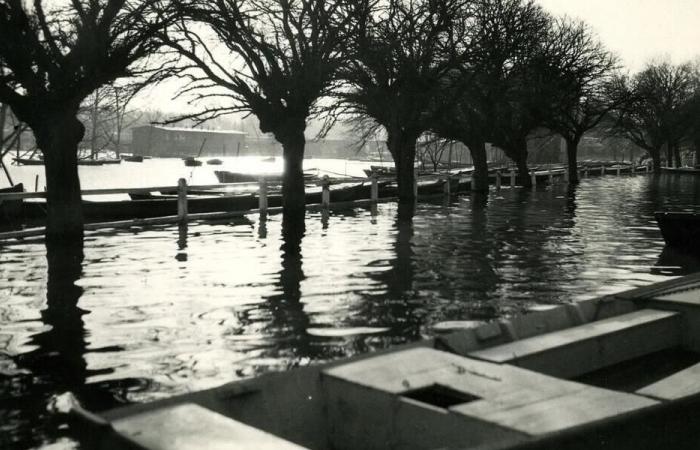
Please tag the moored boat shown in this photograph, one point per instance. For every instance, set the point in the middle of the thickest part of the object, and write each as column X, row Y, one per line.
column 28, row 161
column 132, row 158
column 618, row 372
column 680, row 230
column 225, row 176
column 215, row 162
column 192, row 162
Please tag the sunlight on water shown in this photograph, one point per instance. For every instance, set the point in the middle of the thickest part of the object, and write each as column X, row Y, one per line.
column 157, row 318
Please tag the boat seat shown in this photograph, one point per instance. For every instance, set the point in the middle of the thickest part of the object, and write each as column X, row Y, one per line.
column 582, row 349
column 190, row 426
column 679, row 385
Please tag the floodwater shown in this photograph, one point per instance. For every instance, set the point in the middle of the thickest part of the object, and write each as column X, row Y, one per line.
column 154, row 314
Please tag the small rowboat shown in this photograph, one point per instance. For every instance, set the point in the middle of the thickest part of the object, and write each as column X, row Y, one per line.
column 618, row 372
column 28, row 161
column 191, row 162
column 133, row 158
column 680, row 230
column 225, row 176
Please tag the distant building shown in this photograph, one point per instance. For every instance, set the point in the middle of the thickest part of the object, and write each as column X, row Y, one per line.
column 152, row 140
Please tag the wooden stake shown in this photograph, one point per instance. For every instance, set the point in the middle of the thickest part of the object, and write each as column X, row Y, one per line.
column 182, row 200
column 262, row 195
column 375, row 189
column 326, row 193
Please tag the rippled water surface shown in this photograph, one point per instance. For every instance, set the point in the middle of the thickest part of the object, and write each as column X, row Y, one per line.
column 155, row 315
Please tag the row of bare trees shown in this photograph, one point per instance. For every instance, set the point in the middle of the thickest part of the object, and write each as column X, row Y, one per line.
column 473, row 71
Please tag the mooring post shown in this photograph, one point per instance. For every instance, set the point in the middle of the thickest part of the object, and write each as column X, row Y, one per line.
column 602, row 169
column 262, row 195
column 498, row 180
column 534, row 180
column 326, row 192
column 618, row 172
column 375, row 189
column 512, row 178
column 446, row 187
column 182, row 201
column 415, row 183
column 551, row 176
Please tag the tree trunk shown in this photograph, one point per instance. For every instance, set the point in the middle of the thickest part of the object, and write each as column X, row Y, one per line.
column 480, row 177
column 677, row 155
column 293, row 195
column 403, row 149
column 58, row 137
column 656, row 159
column 572, row 160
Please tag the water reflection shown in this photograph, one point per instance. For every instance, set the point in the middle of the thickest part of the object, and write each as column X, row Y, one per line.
column 57, row 362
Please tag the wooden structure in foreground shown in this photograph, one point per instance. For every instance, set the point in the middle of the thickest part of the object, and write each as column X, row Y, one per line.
column 619, row 372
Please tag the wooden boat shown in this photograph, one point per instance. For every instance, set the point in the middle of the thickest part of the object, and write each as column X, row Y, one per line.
column 680, row 230
column 11, row 210
column 110, row 161
column 192, row 162
column 683, row 170
column 132, row 158
column 225, row 176
column 90, row 162
column 28, row 161
column 215, row 162
column 618, row 372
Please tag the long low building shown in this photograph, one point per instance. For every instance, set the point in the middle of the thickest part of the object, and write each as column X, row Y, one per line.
column 154, row 140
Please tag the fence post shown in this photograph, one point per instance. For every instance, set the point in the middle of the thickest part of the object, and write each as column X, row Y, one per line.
column 602, row 169
column 534, row 179
column 618, row 172
column 375, row 189
column 415, row 183
column 182, row 200
column 498, row 180
column 447, row 188
column 512, row 178
column 262, row 195
column 326, row 192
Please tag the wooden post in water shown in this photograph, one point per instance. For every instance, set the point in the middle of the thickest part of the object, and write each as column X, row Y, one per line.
column 326, row 192
column 602, row 169
column 498, row 180
column 618, row 172
column 551, row 177
column 374, row 192
column 534, row 180
column 415, row 183
column 512, row 178
column 182, row 201
column 262, row 195
column 446, row 187
column 585, row 172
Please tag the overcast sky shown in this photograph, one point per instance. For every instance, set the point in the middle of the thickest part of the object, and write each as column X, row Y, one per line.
column 638, row 30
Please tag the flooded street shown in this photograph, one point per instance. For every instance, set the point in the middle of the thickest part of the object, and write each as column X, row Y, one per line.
column 153, row 315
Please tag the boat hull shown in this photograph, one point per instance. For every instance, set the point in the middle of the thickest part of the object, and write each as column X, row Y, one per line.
column 680, row 230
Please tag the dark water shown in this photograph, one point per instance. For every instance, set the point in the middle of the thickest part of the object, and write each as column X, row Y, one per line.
column 152, row 314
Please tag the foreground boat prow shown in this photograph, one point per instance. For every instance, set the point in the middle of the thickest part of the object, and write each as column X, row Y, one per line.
column 549, row 379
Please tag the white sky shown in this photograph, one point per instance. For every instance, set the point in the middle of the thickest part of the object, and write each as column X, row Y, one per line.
column 639, row 30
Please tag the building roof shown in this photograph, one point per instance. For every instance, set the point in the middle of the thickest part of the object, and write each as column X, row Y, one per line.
column 195, row 130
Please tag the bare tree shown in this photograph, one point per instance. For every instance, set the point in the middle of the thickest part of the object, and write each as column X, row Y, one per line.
column 656, row 114
column 583, row 94
column 402, row 52
column 280, row 58
column 52, row 56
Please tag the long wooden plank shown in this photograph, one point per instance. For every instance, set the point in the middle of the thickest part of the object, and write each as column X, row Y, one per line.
column 678, row 385
column 189, row 426
column 582, row 349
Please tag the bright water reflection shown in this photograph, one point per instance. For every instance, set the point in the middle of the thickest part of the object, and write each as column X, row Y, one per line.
column 152, row 314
